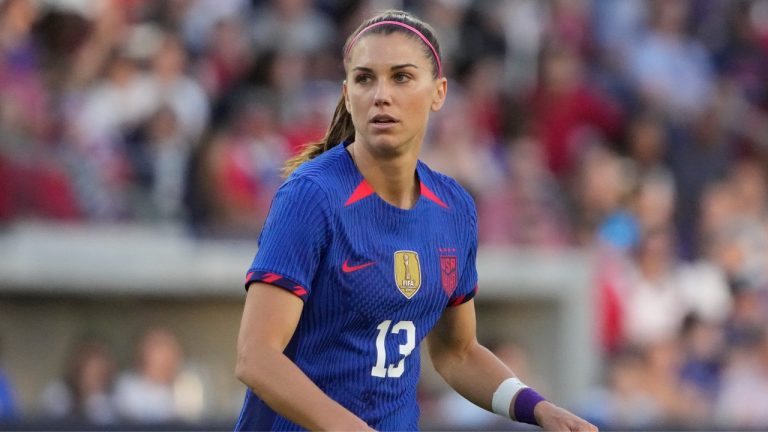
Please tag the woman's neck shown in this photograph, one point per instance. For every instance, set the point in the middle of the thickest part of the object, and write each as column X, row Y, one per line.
column 393, row 179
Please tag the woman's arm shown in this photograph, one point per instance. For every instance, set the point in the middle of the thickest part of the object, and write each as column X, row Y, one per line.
column 476, row 373
column 270, row 317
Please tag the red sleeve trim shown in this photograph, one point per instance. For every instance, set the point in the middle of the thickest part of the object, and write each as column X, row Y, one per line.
column 455, row 301
column 278, row 281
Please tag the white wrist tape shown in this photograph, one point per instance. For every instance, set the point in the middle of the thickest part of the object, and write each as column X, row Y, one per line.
column 502, row 398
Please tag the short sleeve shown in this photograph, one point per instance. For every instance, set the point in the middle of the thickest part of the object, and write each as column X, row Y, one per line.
column 294, row 238
column 467, row 287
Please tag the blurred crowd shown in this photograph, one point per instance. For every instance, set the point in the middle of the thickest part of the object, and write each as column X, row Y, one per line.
column 634, row 128
column 160, row 386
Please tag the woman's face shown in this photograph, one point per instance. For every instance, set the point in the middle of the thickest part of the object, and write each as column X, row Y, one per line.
column 389, row 91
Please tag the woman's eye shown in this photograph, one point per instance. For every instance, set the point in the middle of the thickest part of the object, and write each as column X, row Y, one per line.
column 362, row 79
column 401, row 77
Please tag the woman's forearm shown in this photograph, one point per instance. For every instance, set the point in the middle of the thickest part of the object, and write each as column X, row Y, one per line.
column 287, row 390
column 474, row 372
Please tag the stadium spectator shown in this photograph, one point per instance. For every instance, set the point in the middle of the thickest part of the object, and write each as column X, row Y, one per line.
column 744, row 391
column 571, row 20
column 7, row 198
column 36, row 181
column 21, row 75
column 698, row 155
column 704, row 348
column 172, row 86
column 159, row 152
column 241, row 168
column 482, row 97
column 481, row 38
column 647, row 144
column 525, row 207
column 739, row 48
column 119, row 101
column 680, row 404
column 83, row 395
column 525, row 25
column 663, row 55
column 292, row 26
column 622, row 401
column 315, row 100
column 750, row 190
column 566, row 109
column 654, row 300
column 159, row 390
column 616, row 29
column 203, row 24
column 653, row 202
column 226, row 59
column 602, row 190
column 8, row 404
column 748, row 316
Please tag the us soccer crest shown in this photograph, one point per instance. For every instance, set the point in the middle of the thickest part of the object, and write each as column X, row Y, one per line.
column 449, row 276
column 407, row 272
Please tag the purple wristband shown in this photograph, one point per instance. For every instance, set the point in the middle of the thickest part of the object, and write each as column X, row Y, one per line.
column 525, row 402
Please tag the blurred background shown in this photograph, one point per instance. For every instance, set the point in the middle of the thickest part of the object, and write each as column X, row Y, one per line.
column 616, row 149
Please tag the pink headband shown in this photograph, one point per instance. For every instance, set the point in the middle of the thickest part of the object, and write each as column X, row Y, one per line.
column 403, row 25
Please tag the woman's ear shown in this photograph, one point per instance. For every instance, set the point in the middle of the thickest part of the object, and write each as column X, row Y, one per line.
column 346, row 94
column 440, row 93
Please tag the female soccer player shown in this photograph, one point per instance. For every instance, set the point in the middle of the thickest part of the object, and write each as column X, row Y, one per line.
column 366, row 252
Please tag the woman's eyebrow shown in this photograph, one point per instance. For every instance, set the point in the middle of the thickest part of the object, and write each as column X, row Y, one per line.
column 400, row 66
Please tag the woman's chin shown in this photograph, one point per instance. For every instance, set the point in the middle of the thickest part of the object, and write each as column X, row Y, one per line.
column 387, row 146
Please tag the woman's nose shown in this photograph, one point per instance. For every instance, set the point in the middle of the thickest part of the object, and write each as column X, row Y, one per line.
column 382, row 94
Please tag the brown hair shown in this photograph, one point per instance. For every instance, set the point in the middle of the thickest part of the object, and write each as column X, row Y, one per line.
column 341, row 128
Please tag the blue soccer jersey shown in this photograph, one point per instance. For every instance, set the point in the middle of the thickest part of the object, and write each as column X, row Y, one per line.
column 374, row 278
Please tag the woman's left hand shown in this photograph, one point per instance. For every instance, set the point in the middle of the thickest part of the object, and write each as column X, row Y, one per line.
column 553, row 418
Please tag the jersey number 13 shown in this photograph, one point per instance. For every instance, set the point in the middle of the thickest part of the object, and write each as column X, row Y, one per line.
column 381, row 369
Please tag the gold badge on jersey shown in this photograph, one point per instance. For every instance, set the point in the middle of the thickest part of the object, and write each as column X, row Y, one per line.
column 407, row 272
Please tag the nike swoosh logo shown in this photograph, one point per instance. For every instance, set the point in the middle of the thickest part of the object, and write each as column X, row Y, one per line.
column 346, row 268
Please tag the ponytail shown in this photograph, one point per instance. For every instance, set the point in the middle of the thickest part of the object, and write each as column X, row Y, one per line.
column 341, row 129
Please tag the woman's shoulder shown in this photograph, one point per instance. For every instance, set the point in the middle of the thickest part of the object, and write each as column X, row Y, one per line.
column 325, row 167
column 326, row 174
column 446, row 188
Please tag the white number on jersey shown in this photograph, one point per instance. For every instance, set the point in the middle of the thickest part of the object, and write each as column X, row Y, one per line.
column 381, row 370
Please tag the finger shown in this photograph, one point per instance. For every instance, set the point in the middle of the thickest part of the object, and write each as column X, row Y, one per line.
column 586, row 426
